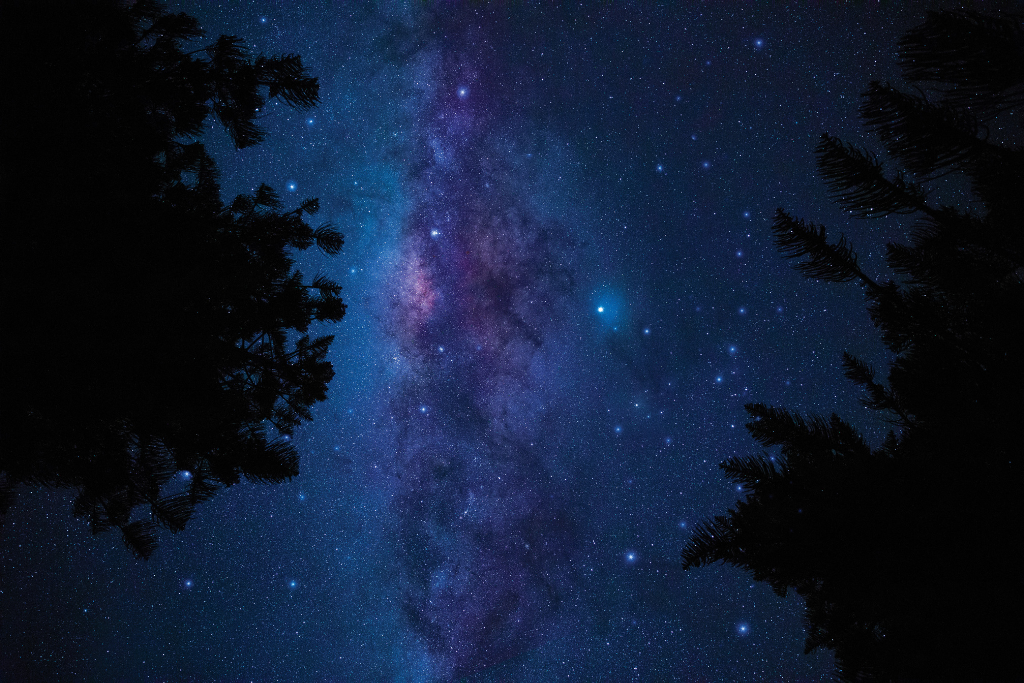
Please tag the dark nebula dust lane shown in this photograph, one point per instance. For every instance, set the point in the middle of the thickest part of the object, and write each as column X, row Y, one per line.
column 477, row 309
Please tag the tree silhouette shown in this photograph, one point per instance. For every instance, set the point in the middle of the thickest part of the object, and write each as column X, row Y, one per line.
column 907, row 553
column 151, row 330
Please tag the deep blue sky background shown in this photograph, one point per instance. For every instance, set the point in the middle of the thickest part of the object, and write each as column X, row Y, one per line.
column 562, row 290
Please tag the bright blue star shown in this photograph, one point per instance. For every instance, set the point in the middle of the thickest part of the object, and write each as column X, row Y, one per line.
column 705, row 164
column 292, row 186
column 743, row 628
column 758, row 43
column 463, row 93
column 630, row 557
column 600, row 309
column 188, row 584
column 293, row 584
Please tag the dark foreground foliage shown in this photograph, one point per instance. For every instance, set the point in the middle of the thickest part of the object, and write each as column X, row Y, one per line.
column 908, row 553
column 149, row 328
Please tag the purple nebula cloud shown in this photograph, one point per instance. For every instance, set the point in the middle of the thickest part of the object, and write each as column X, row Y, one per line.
column 475, row 303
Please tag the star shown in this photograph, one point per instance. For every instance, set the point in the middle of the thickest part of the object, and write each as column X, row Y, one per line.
column 463, row 92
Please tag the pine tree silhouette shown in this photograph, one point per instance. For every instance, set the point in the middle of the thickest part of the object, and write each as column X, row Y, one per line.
column 906, row 553
column 151, row 329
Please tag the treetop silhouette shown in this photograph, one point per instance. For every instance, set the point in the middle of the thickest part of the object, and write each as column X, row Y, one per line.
column 156, row 330
column 905, row 552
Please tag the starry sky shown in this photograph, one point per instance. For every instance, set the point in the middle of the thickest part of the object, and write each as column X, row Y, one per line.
column 562, row 290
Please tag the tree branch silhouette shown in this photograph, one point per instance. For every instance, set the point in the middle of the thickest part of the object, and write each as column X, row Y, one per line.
column 904, row 552
column 166, row 351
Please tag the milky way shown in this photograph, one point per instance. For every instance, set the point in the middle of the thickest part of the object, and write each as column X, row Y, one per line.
column 478, row 295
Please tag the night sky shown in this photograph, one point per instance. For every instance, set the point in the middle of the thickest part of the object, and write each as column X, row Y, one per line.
column 561, row 291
